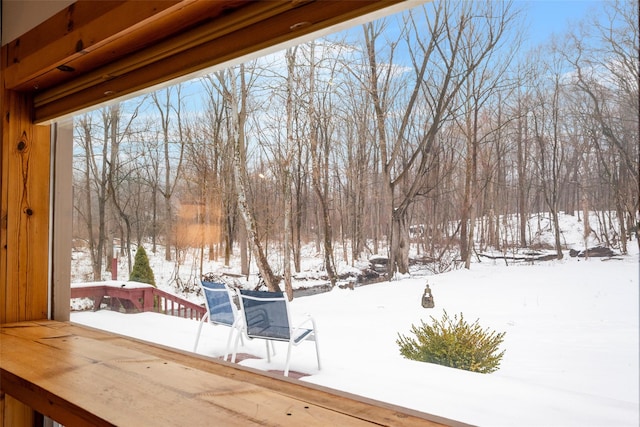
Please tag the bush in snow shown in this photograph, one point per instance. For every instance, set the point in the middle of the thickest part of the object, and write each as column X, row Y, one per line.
column 141, row 271
column 454, row 343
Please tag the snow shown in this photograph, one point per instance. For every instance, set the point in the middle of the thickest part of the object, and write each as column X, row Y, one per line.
column 572, row 342
column 114, row 284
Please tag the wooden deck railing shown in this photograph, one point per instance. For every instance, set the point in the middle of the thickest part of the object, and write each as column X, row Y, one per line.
column 132, row 297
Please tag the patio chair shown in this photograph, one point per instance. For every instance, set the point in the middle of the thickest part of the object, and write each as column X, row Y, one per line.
column 266, row 316
column 221, row 310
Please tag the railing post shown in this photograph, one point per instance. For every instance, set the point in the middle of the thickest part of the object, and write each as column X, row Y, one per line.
column 114, row 267
column 148, row 297
column 144, row 299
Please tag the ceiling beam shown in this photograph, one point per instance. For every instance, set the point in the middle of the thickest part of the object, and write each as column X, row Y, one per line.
column 97, row 51
column 82, row 28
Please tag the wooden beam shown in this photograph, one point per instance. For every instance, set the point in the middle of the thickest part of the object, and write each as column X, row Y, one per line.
column 80, row 29
column 91, row 33
column 168, row 48
column 66, row 61
column 15, row 413
column 61, row 226
column 24, row 224
column 241, row 33
column 25, row 212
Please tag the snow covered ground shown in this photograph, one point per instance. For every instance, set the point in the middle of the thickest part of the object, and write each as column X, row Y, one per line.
column 572, row 342
column 572, row 336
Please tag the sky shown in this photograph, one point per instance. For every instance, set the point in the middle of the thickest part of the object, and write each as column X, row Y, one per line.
column 543, row 18
column 547, row 17
column 571, row 343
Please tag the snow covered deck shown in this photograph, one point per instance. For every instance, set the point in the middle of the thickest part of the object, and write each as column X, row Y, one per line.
column 135, row 296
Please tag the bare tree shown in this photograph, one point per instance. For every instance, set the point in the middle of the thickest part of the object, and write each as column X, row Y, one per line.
column 222, row 121
column 522, row 159
column 359, row 172
column 93, row 177
column 606, row 59
column 173, row 152
column 550, row 140
column 236, row 94
column 486, row 80
column 149, row 172
column 319, row 136
column 99, row 135
column 459, row 37
column 120, row 171
column 210, row 156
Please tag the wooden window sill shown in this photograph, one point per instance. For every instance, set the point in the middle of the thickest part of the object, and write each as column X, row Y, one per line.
column 82, row 376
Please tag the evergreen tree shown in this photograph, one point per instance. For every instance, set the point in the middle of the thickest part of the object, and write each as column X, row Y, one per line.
column 142, row 272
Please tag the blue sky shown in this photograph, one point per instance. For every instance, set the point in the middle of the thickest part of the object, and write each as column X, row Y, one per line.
column 552, row 16
column 544, row 18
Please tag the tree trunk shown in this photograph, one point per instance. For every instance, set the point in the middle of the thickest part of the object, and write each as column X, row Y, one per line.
column 241, row 180
column 521, row 162
column 400, row 242
column 320, row 175
column 244, row 250
column 286, row 175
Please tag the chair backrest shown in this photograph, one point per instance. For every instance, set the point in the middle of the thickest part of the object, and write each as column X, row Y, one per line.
column 266, row 314
column 218, row 299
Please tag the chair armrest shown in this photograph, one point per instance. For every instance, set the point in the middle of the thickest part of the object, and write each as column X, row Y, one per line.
column 309, row 319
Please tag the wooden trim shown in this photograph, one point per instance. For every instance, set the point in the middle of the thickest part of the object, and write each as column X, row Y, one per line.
column 225, row 25
column 24, row 225
column 82, row 28
column 24, row 250
column 15, row 413
column 62, row 213
column 199, row 34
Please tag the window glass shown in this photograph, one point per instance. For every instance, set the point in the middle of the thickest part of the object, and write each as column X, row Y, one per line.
column 405, row 153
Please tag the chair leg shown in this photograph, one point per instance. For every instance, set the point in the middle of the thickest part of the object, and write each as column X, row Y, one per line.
column 286, row 366
column 315, row 341
column 195, row 346
column 235, row 326
column 235, row 347
column 226, row 351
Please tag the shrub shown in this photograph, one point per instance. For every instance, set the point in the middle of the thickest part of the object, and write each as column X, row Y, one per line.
column 454, row 343
column 141, row 271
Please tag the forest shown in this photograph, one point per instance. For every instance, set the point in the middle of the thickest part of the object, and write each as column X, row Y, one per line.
column 417, row 135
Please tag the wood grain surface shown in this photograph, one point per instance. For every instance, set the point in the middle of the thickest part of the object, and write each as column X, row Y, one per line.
column 82, row 376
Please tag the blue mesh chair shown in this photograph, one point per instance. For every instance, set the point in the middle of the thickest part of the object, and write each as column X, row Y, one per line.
column 221, row 310
column 266, row 316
